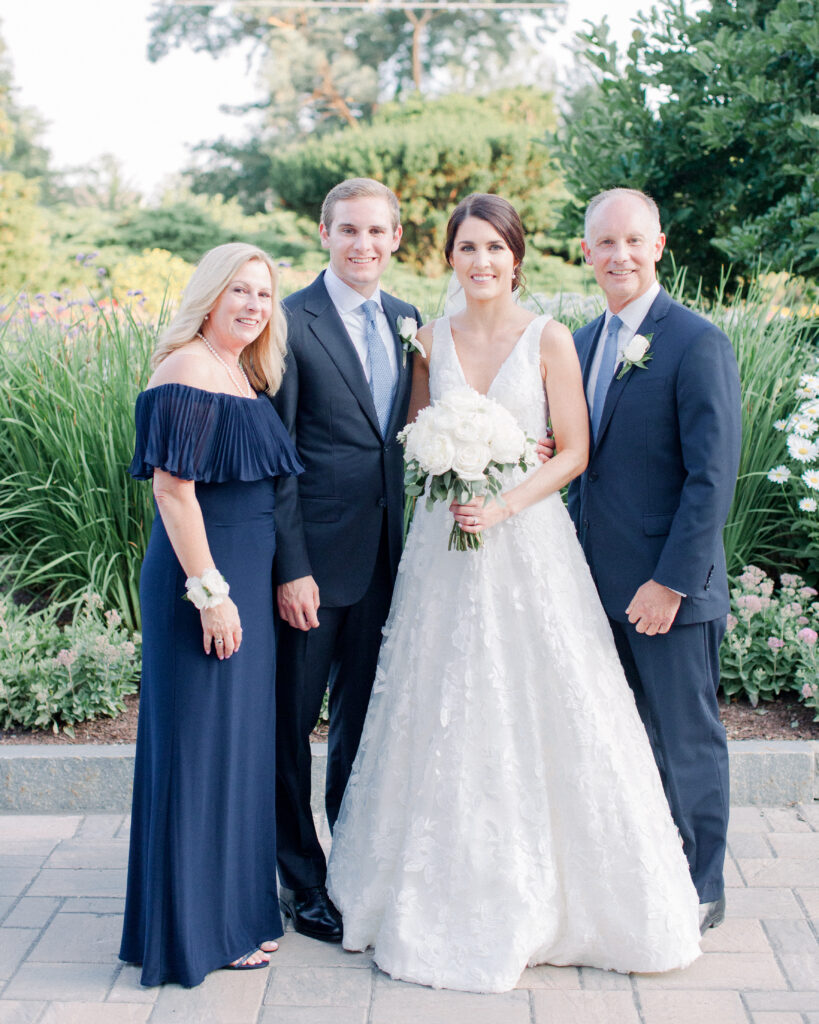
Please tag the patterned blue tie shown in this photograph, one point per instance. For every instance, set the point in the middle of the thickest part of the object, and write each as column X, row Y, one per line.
column 381, row 382
column 605, row 374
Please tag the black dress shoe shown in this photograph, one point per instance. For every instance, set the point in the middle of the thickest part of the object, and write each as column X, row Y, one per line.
column 712, row 914
column 312, row 913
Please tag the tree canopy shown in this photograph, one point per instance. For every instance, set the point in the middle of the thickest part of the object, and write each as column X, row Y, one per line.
column 716, row 115
column 431, row 153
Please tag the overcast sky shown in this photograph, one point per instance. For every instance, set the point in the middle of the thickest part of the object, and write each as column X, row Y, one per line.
column 82, row 64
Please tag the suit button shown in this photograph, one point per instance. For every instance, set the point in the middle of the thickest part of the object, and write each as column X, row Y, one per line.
column 382, row 502
column 593, row 475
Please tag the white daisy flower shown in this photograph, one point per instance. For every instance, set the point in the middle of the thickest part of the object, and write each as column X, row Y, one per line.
column 803, row 425
column 807, row 504
column 811, row 478
column 810, row 409
column 780, row 424
column 810, row 381
column 779, row 474
column 802, row 449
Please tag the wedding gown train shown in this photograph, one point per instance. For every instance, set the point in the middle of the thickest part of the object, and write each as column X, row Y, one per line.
column 504, row 807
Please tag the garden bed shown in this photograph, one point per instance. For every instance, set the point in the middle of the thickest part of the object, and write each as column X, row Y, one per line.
column 780, row 719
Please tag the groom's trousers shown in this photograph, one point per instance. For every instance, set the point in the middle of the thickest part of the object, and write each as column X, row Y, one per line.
column 341, row 653
column 674, row 677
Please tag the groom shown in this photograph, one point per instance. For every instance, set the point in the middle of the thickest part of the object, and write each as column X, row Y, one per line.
column 650, row 509
column 344, row 396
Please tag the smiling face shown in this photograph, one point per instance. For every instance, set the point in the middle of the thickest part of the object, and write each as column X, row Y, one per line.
column 243, row 309
column 623, row 244
column 483, row 262
column 361, row 239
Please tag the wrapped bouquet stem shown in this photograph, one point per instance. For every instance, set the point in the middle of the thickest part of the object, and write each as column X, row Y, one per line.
column 461, row 445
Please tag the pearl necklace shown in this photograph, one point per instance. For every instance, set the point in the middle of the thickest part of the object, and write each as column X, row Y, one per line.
column 236, row 383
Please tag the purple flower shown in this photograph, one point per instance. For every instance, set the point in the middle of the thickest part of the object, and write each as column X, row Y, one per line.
column 101, row 271
column 806, row 592
column 56, row 295
column 775, row 643
column 807, row 636
column 752, row 602
column 80, row 257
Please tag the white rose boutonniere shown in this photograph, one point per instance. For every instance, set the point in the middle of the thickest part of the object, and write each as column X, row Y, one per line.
column 636, row 353
column 407, row 331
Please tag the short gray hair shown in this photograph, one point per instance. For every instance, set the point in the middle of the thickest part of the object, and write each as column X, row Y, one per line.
column 613, row 193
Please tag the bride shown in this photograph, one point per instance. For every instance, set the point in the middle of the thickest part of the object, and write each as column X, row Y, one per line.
column 504, row 807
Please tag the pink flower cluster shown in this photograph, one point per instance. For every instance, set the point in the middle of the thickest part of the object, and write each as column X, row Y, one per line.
column 808, row 636
column 776, row 643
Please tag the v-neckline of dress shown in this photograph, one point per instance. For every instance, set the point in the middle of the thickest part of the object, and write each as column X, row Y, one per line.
column 499, row 370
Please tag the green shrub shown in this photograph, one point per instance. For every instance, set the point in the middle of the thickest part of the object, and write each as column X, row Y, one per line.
column 432, row 153
column 798, row 445
column 771, row 643
column 53, row 676
column 70, row 515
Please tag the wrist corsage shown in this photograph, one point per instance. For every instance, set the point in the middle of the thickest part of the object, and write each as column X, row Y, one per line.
column 636, row 353
column 407, row 331
column 207, row 590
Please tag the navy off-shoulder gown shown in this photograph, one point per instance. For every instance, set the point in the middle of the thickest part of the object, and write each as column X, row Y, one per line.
column 202, row 867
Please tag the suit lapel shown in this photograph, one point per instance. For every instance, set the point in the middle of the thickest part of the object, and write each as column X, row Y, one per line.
column 392, row 312
column 329, row 331
column 650, row 325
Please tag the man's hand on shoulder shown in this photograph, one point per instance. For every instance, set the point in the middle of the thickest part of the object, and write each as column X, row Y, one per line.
column 299, row 603
column 653, row 608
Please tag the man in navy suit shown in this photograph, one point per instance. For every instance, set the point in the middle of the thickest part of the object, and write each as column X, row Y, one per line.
column 664, row 403
column 343, row 398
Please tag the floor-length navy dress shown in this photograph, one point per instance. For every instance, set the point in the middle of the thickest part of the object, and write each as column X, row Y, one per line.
column 202, row 867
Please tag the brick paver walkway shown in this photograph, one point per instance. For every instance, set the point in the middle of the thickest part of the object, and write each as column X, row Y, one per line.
column 61, row 887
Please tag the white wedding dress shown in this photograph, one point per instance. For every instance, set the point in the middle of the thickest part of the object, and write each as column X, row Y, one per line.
column 504, row 807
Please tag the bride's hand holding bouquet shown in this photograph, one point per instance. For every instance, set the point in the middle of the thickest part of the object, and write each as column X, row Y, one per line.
column 462, row 444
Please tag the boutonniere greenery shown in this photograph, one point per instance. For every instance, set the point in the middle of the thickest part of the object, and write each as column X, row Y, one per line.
column 407, row 332
column 636, row 353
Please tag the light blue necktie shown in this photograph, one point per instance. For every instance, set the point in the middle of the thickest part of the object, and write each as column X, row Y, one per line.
column 381, row 382
column 606, row 372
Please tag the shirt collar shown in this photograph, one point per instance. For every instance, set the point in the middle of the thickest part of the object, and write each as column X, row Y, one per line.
column 636, row 311
column 343, row 297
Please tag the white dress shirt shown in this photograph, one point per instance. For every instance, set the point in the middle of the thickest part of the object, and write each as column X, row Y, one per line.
column 632, row 316
column 347, row 301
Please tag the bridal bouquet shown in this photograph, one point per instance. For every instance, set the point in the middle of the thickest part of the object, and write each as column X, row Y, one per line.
column 463, row 441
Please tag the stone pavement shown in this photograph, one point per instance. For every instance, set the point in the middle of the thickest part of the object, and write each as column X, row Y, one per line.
column 61, row 894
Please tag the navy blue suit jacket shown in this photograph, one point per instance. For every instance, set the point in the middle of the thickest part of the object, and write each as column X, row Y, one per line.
column 329, row 520
column 656, row 493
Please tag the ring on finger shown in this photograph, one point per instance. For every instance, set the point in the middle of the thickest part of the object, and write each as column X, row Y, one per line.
column 218, row 640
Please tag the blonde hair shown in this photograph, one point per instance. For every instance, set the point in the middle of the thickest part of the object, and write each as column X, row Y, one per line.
column 611, row 193
column 263, row 359
column 359, row 188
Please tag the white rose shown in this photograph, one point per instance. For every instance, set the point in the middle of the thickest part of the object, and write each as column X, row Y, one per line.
column 462, row 401
column 407, row 327
column 474, row 426
column 435, row 453
column 508, row 442
column 636, row 348
column 471, row 459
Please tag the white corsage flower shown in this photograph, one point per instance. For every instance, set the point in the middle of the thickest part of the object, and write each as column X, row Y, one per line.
column 407, row 331
column 636, row 353
column 207, row 590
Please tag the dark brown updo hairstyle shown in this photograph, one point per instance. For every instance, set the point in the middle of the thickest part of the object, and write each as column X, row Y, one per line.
column 504, row 219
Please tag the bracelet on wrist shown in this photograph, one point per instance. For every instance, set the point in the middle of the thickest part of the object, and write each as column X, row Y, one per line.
column 206, row 591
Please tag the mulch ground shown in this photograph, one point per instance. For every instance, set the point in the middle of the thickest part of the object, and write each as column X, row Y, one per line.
column 780, row 719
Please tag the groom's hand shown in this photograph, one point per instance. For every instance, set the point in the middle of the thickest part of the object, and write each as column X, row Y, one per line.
column 653, row 608
column 299, row 602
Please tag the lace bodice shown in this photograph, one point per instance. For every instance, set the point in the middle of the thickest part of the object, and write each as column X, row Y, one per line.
column 517, row 385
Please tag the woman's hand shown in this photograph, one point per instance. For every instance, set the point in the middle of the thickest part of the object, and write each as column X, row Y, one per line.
column 480, row 513
column 221, row 625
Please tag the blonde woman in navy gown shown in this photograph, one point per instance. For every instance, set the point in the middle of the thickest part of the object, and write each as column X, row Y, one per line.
column 202, row 869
